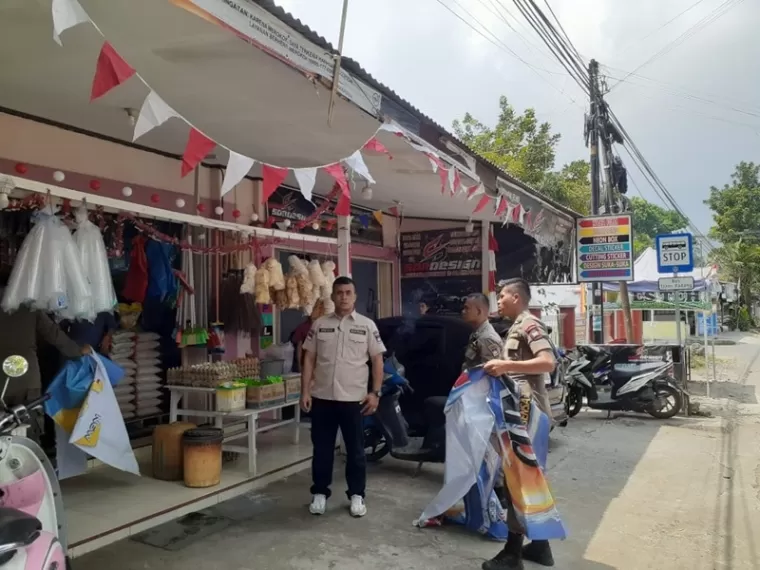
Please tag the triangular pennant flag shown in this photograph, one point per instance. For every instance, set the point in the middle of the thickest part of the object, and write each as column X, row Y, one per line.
column 153, row 113
column 527, row 220
column 356, row 163
column 516, row 213
column 343, row 207
column 375, row 145
column 272, row 177
column 521, row 218
column 237, row 167
column 306, row 178
column 493, row 245
column 482, row 203
column 337, row 172
column 443, row 174
column 392, row 128
column 508, row 216
column 456, row 183
column 378, row 216
column 393, row 210
column 198, row 146
column 473, row 190
column 110, row 71
column 67, row 14
column 502, row 207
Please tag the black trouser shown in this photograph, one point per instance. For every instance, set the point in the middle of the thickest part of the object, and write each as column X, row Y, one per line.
column 326, row 417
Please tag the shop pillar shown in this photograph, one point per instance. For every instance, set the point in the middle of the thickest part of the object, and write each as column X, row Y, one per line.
column 567, row 324
column 344, row 246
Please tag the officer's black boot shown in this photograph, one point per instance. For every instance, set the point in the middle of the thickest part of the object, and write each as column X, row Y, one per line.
column 510, row 558
column 539, row 552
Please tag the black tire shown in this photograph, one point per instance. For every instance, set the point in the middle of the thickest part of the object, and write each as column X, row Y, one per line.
column 574, row 401
column 668, row 402
column 376, row 444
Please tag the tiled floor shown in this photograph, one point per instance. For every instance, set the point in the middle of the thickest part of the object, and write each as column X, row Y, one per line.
column 107, row 505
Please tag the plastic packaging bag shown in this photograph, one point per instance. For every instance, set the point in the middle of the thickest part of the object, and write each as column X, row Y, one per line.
column 48, row 274
column 94, row 259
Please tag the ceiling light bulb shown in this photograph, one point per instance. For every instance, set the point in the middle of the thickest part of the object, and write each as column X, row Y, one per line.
column 254, row 217
column 367, row 193
column 469, row 227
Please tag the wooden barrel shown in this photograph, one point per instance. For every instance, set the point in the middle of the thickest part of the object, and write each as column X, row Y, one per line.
column 167, row 450
column 202, row 456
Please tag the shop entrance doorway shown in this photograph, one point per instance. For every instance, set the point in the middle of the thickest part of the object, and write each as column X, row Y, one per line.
column 364, row 274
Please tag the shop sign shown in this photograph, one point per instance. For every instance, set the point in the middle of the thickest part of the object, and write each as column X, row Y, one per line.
column 441, row 253
column 255, row 25
column 605, row 248
column 287, row 204
column 665, row 300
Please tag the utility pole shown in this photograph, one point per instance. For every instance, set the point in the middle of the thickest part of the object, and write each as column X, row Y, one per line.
column 597, row 297
column 600, row 138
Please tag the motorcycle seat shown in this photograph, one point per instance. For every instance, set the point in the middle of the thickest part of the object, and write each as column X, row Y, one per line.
column 17, row 527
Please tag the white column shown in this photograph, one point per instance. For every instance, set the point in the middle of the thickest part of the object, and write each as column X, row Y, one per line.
column 485, row 228
column 344, row 246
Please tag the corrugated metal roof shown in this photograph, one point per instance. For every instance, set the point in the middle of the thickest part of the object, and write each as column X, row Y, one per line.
column 355, row 68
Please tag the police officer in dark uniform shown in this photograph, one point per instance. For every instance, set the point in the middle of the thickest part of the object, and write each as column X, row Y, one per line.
column 528, row 358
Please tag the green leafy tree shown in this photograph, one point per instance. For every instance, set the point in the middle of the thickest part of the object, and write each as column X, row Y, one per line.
column 739, row 262
column 526, row 149
column 649, row 220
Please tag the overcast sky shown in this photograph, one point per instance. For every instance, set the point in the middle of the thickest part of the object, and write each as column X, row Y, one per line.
column 694, row 111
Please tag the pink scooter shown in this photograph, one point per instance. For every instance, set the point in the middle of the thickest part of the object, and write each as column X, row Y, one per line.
column 32, row 530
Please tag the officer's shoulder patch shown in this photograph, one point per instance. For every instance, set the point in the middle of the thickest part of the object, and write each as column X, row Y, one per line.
column 533, row 330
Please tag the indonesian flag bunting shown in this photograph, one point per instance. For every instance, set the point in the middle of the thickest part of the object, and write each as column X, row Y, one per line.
column 443, row 174
column 393, row 211
column 110, row 71
column 197, row 148
column 306, row 178
column 508, row 216
column 527, row 219
column 516, row 213
column 502, row 207
column 482, row 203
column 474, row 190
column 343, row 207
column 237, row 167
column 337, row 172
column 456, row 182
column 153, row 113
column 67, row 14
column 272, row 177
column 356, row 163
column 521, row 217
column 392, row 128
column 493, row 247
column 375, row 145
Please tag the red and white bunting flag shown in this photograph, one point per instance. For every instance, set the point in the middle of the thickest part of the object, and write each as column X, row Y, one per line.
column 337, row 172
column 474, row 190
column 197, row 148
column 306, row 178
column 272, row 177
column 527, row 222
column 455, row 182
column 393, row 211
column 502, row 207
column 237, row 167
column 356, row 163
column 516, row 213
column 110, row 71
column 443, row 174
column 375, row 145
column 508, row 215
column 482, row 203
column 521, row 218
column 343, row 207
column 66, row 14
column 153, row 113
column 392, row 128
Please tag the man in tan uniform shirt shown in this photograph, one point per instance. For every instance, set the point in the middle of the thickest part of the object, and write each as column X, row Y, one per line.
column 528, row 358
column 334, row 384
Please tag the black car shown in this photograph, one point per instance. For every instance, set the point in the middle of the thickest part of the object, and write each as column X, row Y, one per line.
column 431, row 348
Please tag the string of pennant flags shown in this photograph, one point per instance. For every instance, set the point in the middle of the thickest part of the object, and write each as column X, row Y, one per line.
column 112, row 70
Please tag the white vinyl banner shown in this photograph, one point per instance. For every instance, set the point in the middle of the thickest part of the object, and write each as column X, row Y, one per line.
column 265, row 31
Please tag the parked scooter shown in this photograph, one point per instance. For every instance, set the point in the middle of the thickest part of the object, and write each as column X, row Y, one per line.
column 32, row 529
column 609, row 381
column 387, row 431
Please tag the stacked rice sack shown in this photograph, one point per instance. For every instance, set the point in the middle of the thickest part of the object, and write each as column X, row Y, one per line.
column 122, row 351
column 148, row 384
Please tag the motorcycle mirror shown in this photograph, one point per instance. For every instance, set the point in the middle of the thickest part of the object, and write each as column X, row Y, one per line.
column 15, row 366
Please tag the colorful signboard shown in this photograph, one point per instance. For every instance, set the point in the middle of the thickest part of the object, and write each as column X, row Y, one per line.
column 605, row 248
column 441, row 253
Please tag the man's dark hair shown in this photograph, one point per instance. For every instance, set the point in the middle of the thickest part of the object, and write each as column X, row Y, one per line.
column 481, row 300
column 343, row 280
column 518, row 283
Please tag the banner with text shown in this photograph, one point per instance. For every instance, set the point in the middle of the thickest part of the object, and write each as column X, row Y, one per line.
column 441, row 253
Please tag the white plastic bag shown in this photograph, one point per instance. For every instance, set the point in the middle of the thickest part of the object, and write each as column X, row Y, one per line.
column 94, row 259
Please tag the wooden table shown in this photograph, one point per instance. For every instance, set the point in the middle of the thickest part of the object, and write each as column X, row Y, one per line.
column 249, row 415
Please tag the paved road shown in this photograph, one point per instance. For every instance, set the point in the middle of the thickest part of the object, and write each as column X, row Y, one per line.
column 636, row 494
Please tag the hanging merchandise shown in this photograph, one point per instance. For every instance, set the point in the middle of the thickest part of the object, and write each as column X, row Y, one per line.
column 249, row 279
column 48, row 274
column 187, row 331
column 306, row 294
column 162, row 284
column 216, row 330
column 238, row 310
column 136, row 283
column 261, row 288
column 328, row 268
column 92, row 252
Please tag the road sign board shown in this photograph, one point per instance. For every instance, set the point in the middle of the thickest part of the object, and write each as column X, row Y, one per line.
column 604, row 248
column 675, row 283
column 675, row 253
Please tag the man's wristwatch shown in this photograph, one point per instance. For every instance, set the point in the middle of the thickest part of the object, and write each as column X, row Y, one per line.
column 377, row 393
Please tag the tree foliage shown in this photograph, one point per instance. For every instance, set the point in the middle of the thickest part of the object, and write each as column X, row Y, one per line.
column 526, row 149
column 649, row 220
column 736, row 217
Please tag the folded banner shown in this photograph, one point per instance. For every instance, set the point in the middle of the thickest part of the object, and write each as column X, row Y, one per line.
column 493, row 431
column 88, row 420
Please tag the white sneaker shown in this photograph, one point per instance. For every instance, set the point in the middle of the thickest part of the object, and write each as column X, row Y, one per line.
column 318, row 505
column 358, row 508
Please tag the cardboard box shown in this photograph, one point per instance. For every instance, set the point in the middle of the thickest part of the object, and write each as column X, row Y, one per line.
column 292, row 388
column 265, row 395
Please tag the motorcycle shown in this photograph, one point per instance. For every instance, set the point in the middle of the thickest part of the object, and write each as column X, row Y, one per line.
column 32, row 529
column 610, row 381
column 387, row 431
